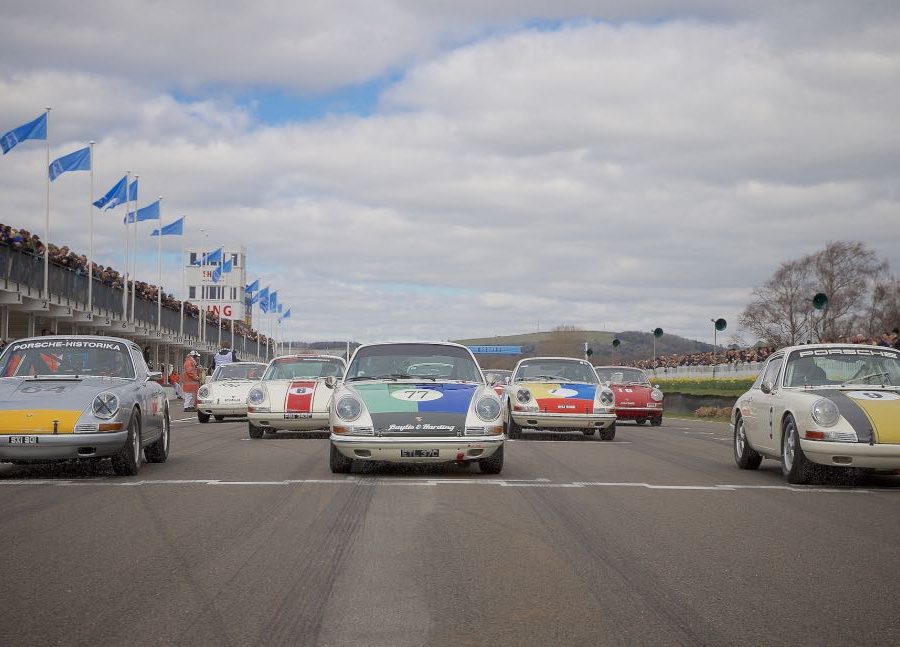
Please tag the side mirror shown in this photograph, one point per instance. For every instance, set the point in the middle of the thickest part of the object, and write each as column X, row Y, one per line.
column 766, row 387
column 154, row 376
column 330, row 381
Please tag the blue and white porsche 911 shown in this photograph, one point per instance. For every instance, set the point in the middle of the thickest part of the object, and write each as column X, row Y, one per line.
column 415, row 403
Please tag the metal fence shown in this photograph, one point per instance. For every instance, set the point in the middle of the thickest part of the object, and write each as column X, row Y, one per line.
column 744, row 369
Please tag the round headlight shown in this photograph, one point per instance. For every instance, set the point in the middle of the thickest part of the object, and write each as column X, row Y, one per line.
column 825, row 412
column 203, row 392
column 656, row 395
column 607, row 398
column 256, row 397
column 348, row 408
column 488, row 409
column 105, row 405
column 523, row 395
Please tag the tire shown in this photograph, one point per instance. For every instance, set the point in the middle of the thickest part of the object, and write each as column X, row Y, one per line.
column 513, row 430
column 128, row 461
column 589, row 432
column 339, row 463
column 255, row 432
column 493, row 464
column 609, row 433
column 795, row 466
column 641, row 421
column 220, row 418
column 656, row 422
column 158, row 452
column 745, row 456
column 203, row 417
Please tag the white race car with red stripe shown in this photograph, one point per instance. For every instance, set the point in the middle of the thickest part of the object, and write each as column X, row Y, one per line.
column 294, row 394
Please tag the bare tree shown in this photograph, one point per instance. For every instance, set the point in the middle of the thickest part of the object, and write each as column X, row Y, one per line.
column 779, row 312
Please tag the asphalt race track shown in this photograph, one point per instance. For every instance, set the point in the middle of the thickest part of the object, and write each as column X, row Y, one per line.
column 655, row 538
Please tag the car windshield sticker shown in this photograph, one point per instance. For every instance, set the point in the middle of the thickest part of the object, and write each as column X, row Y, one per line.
column 69, row 343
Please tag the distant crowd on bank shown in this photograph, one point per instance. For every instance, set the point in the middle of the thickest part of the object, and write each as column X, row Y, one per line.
column 21, row 240
column 737, row 358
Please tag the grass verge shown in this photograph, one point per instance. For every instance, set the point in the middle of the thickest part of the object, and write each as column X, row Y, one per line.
column 733, row 387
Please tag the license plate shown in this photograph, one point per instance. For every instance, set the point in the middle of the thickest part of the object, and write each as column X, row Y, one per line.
column 419, row 453
column 297, row 416
column 23, row 440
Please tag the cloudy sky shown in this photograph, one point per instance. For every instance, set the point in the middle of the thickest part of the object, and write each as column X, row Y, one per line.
column 437, row 169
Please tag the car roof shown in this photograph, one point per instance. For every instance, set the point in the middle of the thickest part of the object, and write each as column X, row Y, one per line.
column 788, row 349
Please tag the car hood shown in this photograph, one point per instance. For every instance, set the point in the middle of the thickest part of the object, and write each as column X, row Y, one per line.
column 873, row 413
column 417, row 408
column 562, row 397
column 631, row 395
column 298, row 396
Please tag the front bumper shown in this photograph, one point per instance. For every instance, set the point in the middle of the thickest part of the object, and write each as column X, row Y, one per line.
column 563, row 421
column 852, row 454
column 636, row 413
column 457, row 448
column 222, row 408
column 276, row 420
column 51, row 447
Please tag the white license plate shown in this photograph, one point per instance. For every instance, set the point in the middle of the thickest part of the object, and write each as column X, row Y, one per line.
column 419, row 453
column 23, row 440
column 297, row 416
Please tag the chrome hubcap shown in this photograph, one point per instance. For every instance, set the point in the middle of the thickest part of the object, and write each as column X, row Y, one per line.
column 166, row 434
column 789, row 447
column 739, row 438
column 136, row 444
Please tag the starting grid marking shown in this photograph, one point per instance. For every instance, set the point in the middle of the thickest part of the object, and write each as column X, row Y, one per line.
column 514, row 483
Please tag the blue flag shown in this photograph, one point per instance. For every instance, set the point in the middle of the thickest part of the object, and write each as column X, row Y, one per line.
column 224, row 268
column 150, row 212
column 132, row 190
column 250, row 288
column 114, row 197
column 80, row 160
column 172, row 229
column 36, row 129
column 263, row 298
column 273, row 301
column 286, row 315
column 213, row 258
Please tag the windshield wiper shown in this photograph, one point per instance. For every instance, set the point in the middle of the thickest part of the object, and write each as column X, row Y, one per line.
column 866, row 377
column 391, row 376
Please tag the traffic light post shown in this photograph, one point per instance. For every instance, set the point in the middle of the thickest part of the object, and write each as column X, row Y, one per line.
column 657, row 333
column 718, row 326
column 819, row 302
column 615, row 344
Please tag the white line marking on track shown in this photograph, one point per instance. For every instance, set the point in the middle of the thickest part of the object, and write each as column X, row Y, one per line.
column 514, row 483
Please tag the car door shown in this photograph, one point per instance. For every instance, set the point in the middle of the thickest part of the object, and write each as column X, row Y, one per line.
column 763, row 406
column 148, row 396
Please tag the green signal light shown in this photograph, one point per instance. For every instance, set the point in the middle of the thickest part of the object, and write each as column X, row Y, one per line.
column 657, row 332
column 820, row 301
column 616, row 342
column 721, row 324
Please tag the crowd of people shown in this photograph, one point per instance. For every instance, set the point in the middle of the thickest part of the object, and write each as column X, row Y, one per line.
column 739, row 357
column 24, row 241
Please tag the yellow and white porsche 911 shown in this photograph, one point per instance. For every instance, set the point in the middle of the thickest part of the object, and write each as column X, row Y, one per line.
column 826, row 404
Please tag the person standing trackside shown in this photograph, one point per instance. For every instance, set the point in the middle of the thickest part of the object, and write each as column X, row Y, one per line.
column 225, row 356
column 190, row 383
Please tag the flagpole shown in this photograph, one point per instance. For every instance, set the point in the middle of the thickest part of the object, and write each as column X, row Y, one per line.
column 159, row 271
column 134, row 252
column 221, row 305
column 46, row 293
column 183, row 283
column 126, row 273
column 91, row 243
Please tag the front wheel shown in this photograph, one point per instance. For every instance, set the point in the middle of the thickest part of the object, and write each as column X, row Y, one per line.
column 158, row 452
column 203, row 417
column 609, row 433
column 255, row 432
column 641, row 421
column 795, row 466
column 220, row 418
column 656, row 422
column 513, row 430
column 745, row 456
column 128, row 461
column 339, row 463
column 589, row 432
column 493, row 464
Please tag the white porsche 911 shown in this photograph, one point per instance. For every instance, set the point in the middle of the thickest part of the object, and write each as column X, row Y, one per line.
column 294, row 394
column 225, row 391
column 826, row 404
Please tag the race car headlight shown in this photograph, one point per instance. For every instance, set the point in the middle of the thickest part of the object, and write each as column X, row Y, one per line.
column 825, row 412
column 606, row 397
column 348, row 408
column 656, row 395
column 105, row 405
column 203, row 392
column 256, row 397
column 488, row 409
column 523, row 395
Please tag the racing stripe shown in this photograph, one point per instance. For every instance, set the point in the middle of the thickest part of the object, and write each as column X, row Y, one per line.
column 299, row 397
column 884, row 415
column 852, row 413
column 29, row 421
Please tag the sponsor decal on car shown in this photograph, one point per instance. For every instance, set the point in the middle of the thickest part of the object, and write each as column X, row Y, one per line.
column 300, row 396
column 563, row 398
column 69, row 343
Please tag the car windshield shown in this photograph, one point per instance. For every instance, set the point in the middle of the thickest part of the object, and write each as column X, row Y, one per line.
column 499, row 377
column 411, row 361
column 617, row 375
column 549, row 370
column 67, row 357
column 292, row 368
column 239, row 371
column 843, row 365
